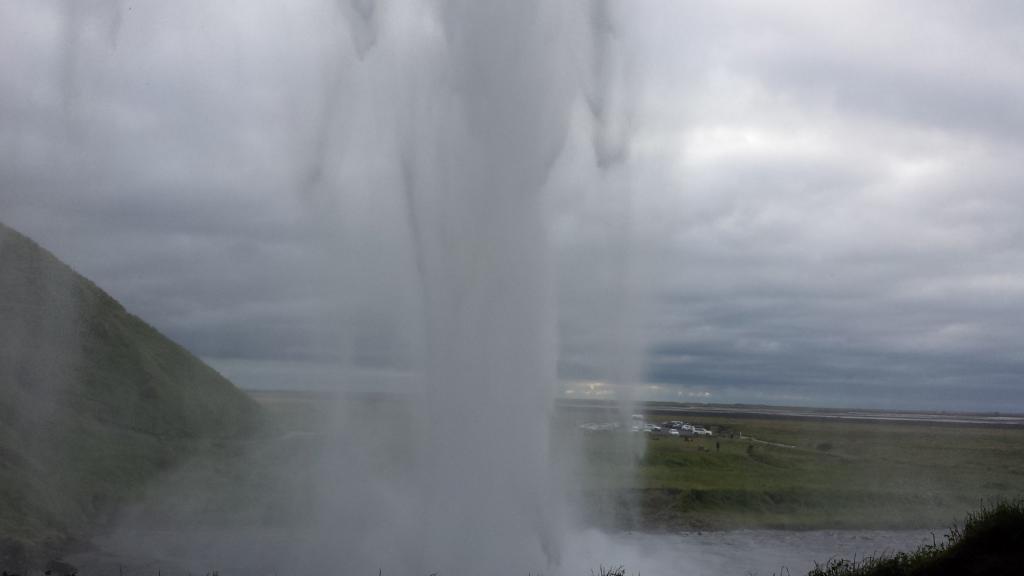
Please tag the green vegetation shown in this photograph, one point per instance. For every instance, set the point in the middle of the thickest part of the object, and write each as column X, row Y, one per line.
column 94, row 403
column 97, row 408
column 990, row 542
column 804, row 474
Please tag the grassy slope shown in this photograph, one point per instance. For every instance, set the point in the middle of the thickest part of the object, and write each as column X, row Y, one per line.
column 834, row 474
column 93, row 401
column 989, row 543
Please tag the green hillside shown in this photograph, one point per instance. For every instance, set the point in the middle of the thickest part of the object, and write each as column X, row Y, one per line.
column 94, row 402
column 990, row 542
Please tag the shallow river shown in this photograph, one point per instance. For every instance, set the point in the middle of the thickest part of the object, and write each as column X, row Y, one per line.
column 738, row 553
column 742, row 552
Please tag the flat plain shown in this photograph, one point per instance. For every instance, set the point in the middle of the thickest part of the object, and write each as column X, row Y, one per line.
column 799, row 473
column 776, row 470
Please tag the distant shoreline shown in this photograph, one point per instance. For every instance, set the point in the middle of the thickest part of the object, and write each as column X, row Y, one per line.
column 868, row 415
column 992, row 419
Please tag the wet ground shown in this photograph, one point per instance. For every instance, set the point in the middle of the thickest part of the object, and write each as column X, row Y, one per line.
column 739, row 553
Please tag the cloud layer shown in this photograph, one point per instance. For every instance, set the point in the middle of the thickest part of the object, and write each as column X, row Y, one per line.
column 818, row 203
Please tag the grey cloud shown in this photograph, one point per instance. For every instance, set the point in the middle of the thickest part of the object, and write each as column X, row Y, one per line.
column 820, row 202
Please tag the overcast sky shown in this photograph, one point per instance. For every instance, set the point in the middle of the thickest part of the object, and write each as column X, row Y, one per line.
column 820, row 202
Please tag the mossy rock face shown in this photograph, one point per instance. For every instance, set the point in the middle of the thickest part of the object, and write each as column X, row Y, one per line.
column 94, row 402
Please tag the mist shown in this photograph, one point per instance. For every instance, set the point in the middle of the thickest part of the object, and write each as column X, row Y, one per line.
column 417, row 230
column 424, row 173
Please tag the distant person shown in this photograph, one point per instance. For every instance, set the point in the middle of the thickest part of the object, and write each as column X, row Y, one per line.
column 718, row 446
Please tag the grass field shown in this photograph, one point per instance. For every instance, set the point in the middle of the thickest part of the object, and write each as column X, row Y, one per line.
column 754, row 473
column 803, row 474
column 762, row 472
